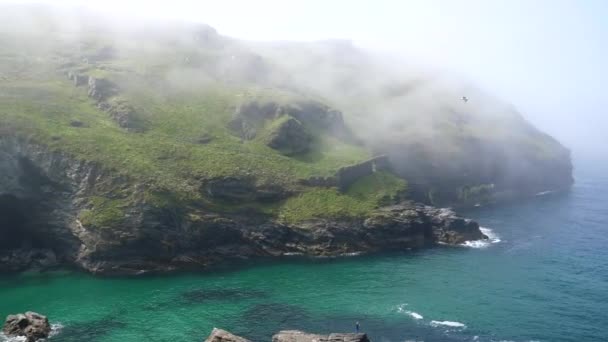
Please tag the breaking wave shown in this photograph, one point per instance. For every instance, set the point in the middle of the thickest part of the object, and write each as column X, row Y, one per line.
column 450, row 324
column 492, row 239
column 402, row 309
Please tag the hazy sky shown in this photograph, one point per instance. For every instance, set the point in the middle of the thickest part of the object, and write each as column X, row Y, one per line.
column 547, row 57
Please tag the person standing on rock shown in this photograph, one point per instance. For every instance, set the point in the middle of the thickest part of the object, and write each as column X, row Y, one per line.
column 357, row 327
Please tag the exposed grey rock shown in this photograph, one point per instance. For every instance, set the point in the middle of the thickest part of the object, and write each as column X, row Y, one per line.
column 101, row 89
column 106, row 95
column 289, row 137
column 123, row 113
column 31, row 325
column 299, row 336
column 78, row 79
column 219, row 335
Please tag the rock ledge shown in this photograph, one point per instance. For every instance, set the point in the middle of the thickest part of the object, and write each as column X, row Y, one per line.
column 219, row 335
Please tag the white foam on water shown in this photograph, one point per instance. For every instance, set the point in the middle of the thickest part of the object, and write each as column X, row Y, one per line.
column 402, row 309
column 55, row 329
column 414, row 315
column 4, row 338
column 492, row 239
column 450, row 324
column 543, row 193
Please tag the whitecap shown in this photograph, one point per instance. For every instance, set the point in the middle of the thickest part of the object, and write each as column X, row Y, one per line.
column 55, row 329
column 402, row 309
column 543, row 193
column 492, row 238
column 451, row 324
column 414, row 315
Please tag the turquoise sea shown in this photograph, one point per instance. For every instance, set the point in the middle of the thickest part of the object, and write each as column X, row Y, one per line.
column 544, row 278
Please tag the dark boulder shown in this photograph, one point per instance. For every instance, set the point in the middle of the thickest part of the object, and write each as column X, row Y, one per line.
column 205, row 138
column 77, row 123
column 31, row 325
column 219, row 335
column 289, row 137
column 299, row 336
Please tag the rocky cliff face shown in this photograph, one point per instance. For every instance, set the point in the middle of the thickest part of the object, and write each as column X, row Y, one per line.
column 46, row 198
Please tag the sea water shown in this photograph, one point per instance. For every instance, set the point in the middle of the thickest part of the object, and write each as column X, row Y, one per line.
column 542, row 276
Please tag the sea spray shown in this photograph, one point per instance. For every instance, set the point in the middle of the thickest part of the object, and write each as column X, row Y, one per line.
column 484, row 243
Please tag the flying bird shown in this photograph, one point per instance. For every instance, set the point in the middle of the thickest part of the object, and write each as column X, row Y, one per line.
column 465, row 99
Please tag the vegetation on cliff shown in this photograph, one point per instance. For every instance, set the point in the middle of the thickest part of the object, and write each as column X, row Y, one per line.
column 159, row 108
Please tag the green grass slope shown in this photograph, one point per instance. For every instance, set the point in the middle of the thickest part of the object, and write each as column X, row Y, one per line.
column 184, row 110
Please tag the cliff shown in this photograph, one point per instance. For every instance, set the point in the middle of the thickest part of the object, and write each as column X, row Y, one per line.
column 52, row 213
column 161, row 146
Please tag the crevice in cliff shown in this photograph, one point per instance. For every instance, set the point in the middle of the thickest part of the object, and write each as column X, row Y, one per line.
column 13, row 222
column 29, row 202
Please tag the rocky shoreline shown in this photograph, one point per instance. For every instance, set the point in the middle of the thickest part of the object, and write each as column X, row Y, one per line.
column 45, row 195
column 33, row 327
column 219, row 335
column 399, row 227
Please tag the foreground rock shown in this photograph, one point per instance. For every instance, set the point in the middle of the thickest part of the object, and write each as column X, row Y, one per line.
column 219, row 335
column 299, row 336
column 31, row 325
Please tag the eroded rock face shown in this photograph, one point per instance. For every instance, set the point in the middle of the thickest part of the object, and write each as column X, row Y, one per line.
column 398, row 227
column 31, row 325
column 123, row 113
column 106, row 94
column 56, row 190
column 219, row 335
column 15, row 260
column 299, row 336
column 101, row 89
